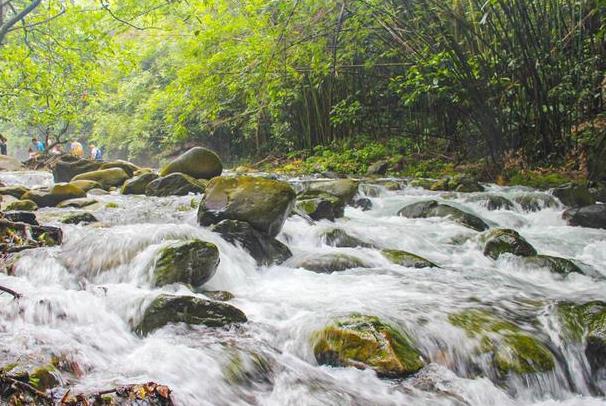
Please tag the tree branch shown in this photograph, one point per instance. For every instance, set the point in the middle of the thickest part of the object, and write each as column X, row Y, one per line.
column 4, row 29
column 10, row 292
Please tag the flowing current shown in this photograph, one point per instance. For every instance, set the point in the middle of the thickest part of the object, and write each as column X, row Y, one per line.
column 83, row 297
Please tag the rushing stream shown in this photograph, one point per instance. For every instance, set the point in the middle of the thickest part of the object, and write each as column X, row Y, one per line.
column 82, row 298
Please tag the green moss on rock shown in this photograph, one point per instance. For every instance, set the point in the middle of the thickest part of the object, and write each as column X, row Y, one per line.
column 431, row 208
column 192, row 262
column 500, row 241
column 199, row 163
column 137, row 185
column 320, row 205
column 345, row 189
column 407, row 259
column 22, row 205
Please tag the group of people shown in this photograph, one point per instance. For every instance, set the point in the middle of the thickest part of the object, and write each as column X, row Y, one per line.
column 37, row 148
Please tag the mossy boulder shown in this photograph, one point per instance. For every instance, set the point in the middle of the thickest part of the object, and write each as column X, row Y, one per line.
column 432, row 208
column 264, row 249
column 128, row 167
column 492, row 201
column 378, row 168
column 422, row 183
column 407, row 259
column 198, row 162
column 586, row 324
column 193, row 262
column 167, row 309
column 67, row 167
column 22, row 205
column 511, row 349
column 329, row 263
column 320, row 205
column 57, row 194
column 138, row 184
column 500, row 241
column 107, row 178
column 78, row 218
column 593, row 216
column 15, row 191
column 458, row 183
column 345, row 189
column 367, row 342
column 19, row 236
column 175, row 184
column 263, row 203
column 573, row 195
column 86, row 185
column 557, row 265
column 77, row 203
column 339, row 238
column 535, row 201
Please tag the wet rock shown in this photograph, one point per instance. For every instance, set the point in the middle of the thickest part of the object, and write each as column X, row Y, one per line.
column 264, row 249
column 21, row 217
column 192, row 262
column 492, row 202
column 593, row 216
column 77, row 203
column 167, row 309
column 422, row 183
column 106, row 177
column 586, row 323
column 175, row 184
column 510, row 349
column 362, row 203
column 78, row 218
column 458, row 183
column 199, row 163
column 86, row 185
column 98, row 192
column 8, row 163
column 536, row 201
column 432, row 208
column 320, row 205
column 248, row 369
column 126, row 166
column 138, row 184
column 573, row 195
column 44, row 378
column 598, row 191
column 57, row 194
column 19, row 236
column 67, row 167
column 345, row 189
column 220, row 295
column 366, row 342
column 339, row 238
column 263, row 203
column 378, row 168
column 500, row 241
column 15, row 191
column 22, row 205
column 329, row 263
column 561, row 266
column 407, row 259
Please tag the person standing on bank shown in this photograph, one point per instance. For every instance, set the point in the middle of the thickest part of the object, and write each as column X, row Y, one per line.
column 3, row 146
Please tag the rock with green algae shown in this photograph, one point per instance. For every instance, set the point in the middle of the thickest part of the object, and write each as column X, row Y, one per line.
column 175, row 184
column 58, row 193
column 458, row 183
column 345, row 189
column 68, row 166
column 492, row 201
column 248, row 368
column 557, row 265
column 511, row 349
column 193, row 262
column 137, row 185
column 126, row 166
column 339, row 238
column 586, row 323
column 77, row 203
column 86, row 185
column 535, row 201
column 198, row 162
column 22, row 205
column 574, row 195
column 407, row 259
column 15, row 191
column 107, row 178
column 263, row 203
column 329, row 263
column 167, row 309
column 501, row 240
column 320, row 205
column 431, row 208
column 78, row 218
column 362, row 341
column 15, row 237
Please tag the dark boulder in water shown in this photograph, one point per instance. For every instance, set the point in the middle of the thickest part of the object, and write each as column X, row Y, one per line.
column 573, row 195
column 320, row 205
column 175, row 184
column 407, row 259
column 68, row 166
column 500, row 241
column 193, row 262
column 593, row 216
column 432, row 208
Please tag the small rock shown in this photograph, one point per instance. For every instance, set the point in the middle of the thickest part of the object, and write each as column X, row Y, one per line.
column 500, row 241
column 345, row 189
column 329, row 263
column 535, row 201
column 561, row 266
column 192, row 262
column 407, row 259
column 21, row 217
column 320, row 205
column 432, row 208
column 378, row 168
column 86, row 185
column 79, row 218
column 492, row 202
column 126, row 166
column 362, row 203
column 77, row 203
column 22, row 205
column 138, row 184
column 574, row 196
column 339, row 238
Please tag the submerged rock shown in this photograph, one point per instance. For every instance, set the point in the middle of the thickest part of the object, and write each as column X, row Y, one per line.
column 107, row 178
column 167, row 309
column 366, row 342
column 79, row 218
column 573, row 195
column 192, row 262
column 263, row 203
column 339, row 238
column 57, row 194
column 492, row 202
column 175, row 184
column 561, row 266
column 198, row 162
column 137, row 185
column 68, row 166
column 320, row 205
column 329, row 263
column 432, row 208
column 500, row 241
column 536, row 201
column 345, row 189
column 407, row 259
column 509, row 347
column 586, row 323
column 362, row 203
column 22, row 205
column 593, row 216
column 264, row 249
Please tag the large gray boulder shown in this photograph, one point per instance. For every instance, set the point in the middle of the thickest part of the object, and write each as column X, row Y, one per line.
column 432, row 208
column 198, row 162
column 263, row 203
column 593, row 216
column 500, row 241
column 107, row 178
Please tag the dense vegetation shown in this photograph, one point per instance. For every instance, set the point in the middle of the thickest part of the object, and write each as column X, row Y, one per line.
column 514, row 81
